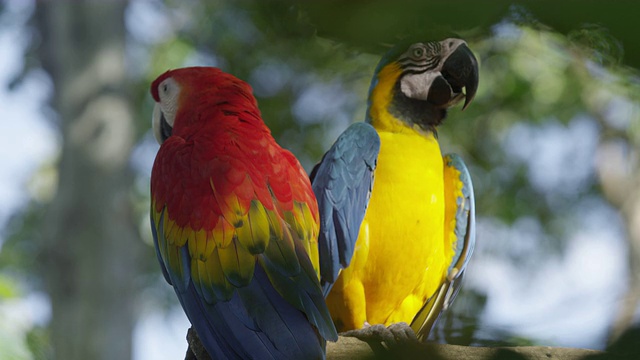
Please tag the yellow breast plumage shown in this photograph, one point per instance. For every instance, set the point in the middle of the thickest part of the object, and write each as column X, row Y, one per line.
column 404, row 220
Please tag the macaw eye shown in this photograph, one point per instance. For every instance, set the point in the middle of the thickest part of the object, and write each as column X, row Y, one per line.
column 418, row 52
column 167, row 89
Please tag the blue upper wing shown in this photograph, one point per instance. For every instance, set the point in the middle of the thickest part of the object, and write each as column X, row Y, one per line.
column 342, row 183
column 465, row 235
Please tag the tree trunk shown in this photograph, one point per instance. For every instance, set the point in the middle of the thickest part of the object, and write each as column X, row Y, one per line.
column 90, row 242
column 619, row 179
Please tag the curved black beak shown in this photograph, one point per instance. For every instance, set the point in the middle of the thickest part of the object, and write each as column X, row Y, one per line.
column 165, row 128
column 460, row 70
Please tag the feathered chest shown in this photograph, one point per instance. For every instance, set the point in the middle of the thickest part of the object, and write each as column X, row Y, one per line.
column 410, row 170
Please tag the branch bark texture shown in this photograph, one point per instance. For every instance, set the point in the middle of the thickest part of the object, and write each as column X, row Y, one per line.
column 349, row 348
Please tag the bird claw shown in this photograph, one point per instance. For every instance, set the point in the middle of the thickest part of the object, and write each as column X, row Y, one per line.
column 381, row 337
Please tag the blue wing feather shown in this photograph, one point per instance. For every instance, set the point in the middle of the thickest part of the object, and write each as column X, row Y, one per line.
column 255, row 323
column 157, row 245
column 465, row 218
column 342, row 183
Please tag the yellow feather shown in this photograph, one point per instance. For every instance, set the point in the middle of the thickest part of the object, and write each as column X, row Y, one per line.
column 275, row 223
column 155, row 214
column 210, row 243
column 254, row 232
column 237, row 263
column 173, row 232
column 174, row 259
column 310, row 224
column 308, row 228
column 215, row 278
column 290, row 218
column 192, row 244
column 179, row 237
column 199, row 275
column 199, row 247
column 168, row 228
column 381, row 97
column 281, row 252
column 453, row 191
column 223, row 233
column 237, row 214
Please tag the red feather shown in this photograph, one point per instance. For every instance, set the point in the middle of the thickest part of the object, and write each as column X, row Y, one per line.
column 219, row 140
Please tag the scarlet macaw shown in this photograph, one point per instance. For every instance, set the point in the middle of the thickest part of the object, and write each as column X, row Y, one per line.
column 234, row 222
column 394, row 251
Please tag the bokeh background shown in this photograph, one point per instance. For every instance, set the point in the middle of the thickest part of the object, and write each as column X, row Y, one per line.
column 552, row 142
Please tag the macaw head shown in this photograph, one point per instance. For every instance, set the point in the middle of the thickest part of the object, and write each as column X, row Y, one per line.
column 199, row 90
column 416, row 84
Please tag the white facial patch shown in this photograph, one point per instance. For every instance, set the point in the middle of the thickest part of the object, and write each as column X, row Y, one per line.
column 169, row 92
column 416, row 86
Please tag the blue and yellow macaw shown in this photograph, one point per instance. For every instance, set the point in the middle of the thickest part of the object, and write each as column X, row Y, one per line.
column 395, row 251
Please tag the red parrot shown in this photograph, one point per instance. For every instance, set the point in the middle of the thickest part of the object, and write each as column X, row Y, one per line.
column 235, row 222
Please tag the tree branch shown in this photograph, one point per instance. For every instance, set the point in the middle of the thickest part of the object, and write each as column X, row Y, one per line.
column 195, row 351
column 349, row 348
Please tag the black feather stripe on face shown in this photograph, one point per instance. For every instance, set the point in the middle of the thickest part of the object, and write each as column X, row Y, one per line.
column 428, row 59
column 417, row 59
column 432, row 79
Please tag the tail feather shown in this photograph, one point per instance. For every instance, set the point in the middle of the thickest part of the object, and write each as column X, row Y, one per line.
column 256, row 323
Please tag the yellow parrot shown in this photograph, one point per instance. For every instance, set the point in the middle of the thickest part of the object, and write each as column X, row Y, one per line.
column 396, row 217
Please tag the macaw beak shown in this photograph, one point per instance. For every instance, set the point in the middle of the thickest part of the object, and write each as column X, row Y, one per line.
column 161, row 128
column 460, row 70
column 166, row 129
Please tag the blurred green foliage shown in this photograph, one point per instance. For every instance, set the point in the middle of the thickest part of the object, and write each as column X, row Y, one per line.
column 310, row 64
column 532, row 80
column 368, row 23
